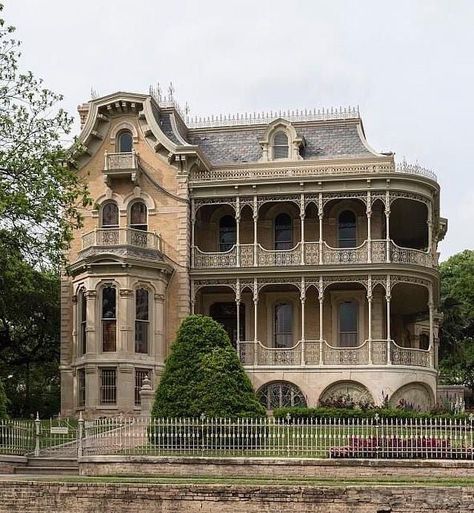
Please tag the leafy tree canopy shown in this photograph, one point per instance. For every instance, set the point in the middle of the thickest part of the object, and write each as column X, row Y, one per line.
column 40, row 194
column 203, row 375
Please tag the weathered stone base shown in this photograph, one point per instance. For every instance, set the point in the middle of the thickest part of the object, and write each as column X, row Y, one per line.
column 35, row 497
column 272, row 468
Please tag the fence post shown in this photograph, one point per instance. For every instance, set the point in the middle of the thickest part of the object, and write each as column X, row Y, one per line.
column 80, row 434
column 37, row 434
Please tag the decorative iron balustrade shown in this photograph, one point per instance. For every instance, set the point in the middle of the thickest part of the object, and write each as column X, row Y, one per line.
column 321, row 353
column 121, row 237
column 308, row 253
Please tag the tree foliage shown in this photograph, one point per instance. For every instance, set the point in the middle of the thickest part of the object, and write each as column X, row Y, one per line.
column 40, row 194
column 457, row 331
column 203, row 375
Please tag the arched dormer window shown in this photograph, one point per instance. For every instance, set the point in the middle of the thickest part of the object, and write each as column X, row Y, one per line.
column 138, row 216
column 348, row 324
column 283, row 232
column 109, row 318
column 227, row 233
column 124, row 141
column 346, row 233
column 280, row 145
column 110, row 215
column 142, row 320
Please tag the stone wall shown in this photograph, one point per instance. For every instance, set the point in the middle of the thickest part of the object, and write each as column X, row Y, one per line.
column 33, row 497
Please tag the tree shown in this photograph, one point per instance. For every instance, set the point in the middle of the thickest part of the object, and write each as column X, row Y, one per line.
column 203, row 375
column 457, row 331
column 40, row 194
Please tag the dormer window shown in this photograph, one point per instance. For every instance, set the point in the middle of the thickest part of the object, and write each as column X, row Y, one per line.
column 124, row 142
column 280, row 145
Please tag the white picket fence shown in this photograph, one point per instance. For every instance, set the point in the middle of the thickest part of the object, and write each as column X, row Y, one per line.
column 266, row 437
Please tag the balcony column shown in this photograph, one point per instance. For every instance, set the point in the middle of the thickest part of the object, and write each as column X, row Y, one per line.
column 431, row 312
column 388, row 296
column 387, row 225
column 193, row 222
column 255, row 219
column 302, row 216
column 303, row 300
column 368, row 212
column 429, row 223
column 369, row 308
column 237, row 230
column 255, row 320
column 320, row 216
column 237, row 302
column 321, row 302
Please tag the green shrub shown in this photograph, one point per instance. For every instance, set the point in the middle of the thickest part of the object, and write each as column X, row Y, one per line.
column 203, row 375
column 3, row 402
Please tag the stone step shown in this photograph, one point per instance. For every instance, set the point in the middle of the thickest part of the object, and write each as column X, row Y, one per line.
column 52, row 462
column 46, row 470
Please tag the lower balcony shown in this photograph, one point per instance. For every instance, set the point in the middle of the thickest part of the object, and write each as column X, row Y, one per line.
column 104, row 237
column 320, row 353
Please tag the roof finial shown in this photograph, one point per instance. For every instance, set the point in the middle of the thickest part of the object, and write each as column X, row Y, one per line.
column 94, row 94
column 171, row 91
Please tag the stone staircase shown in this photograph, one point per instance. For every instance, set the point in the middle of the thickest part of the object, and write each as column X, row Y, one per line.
column 48, row 466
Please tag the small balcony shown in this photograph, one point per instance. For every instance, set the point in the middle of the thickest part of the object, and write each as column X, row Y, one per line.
column 121, row 165
column 320, row 354
column 109, row 237
column 312, row 253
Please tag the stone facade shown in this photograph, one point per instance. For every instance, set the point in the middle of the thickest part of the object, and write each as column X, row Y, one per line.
column 316, row 253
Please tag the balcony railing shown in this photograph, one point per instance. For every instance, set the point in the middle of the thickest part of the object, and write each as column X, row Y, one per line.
column 320, row 353
column 374, row 251
column 121, row 237
column 120, row 161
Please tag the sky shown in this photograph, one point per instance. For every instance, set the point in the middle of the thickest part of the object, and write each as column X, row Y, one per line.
column 407, row 64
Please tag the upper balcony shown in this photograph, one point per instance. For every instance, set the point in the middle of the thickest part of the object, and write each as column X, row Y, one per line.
column 121, row 165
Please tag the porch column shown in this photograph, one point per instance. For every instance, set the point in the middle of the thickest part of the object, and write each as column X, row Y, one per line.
column 368, row 212
column 431, row 308
column 237, row 230
column 320, row 215
column 237, row 302
column 255, row 219
column 369, row 308
column 302, row 300
column 388, row 296
column 321, row 301
column 193, row 222
column 387, row 225
column 255, row 320
column 302, row 216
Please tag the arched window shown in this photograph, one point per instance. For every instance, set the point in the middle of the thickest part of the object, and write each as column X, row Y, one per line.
column 109, row 319
column 227, row 233
column 110, row 215
column 138, row 216
column 280, row 145
column 283, row 325
column 281, row 394
column 348, row 324
column 347, row 229
column 142, row 320
column 124, row 142
column 283, row 232
column 82, row 321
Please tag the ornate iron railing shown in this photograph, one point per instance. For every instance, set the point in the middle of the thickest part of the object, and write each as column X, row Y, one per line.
column 121, row 237
column 215, row 259
column 356, row 255
column 278, row 258
column 409, row 357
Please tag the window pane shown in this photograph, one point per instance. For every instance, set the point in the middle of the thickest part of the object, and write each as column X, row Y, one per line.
column 227, row 233
column 109, row 303
column 110, row 215
column 280, row 146
column 141, row 336
column 138, row 216
column 283, row 331
column 348, row 317
column 125, row 142
column 81, row 387
column 283, row 232
column 347, row 229
column 141, row 304
column 109, row 330
column 83, row 323
column 108, row 386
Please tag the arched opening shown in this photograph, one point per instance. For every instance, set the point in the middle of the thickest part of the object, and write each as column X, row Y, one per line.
column 281, row 394
column 280, row 145
column 346, row 394
column 409, row 224
column 227, row 233
column 109, row 319
column 124, row 141
column 138, row 216
column 110, row 215
column 346, row 230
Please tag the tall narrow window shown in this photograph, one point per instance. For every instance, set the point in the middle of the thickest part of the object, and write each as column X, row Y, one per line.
column 227, row 233
column 347, row 229
column 81, row 387
column 283, row 232
column 140, row 375
column 283, row 325
column 348, row 324
column 110, row 215
column 108, row 385
column 125, row 142
column 280, row 146
column 141, row 320
column 109, row 319
column 82, row 318
column 138, row 216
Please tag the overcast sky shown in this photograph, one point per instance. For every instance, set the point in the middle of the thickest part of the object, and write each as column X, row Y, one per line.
column 408, row 64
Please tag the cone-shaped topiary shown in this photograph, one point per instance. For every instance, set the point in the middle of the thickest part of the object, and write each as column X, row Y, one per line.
column 203, row 375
